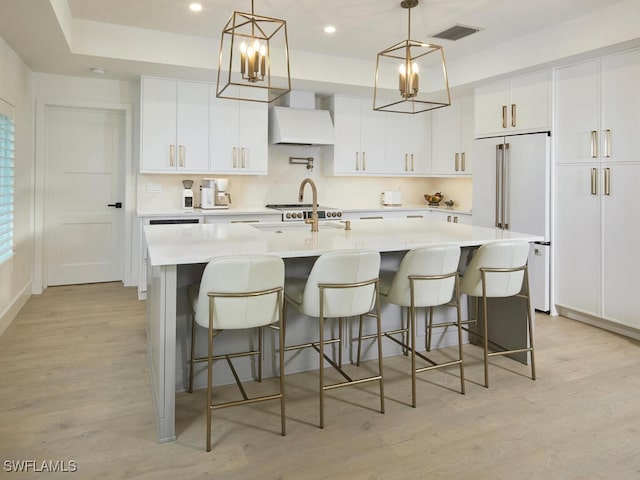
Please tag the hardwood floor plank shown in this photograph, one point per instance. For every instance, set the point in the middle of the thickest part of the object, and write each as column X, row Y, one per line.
column 75, row 386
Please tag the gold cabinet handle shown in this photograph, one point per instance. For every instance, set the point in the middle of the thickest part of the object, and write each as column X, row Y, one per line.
column 607, row 143
column 364, row 161
column 234, row 157
column 172, row 155
column 607, row 181
column 504, row 116
column 594, row 181
column 513, row 114
column 594, row 144
column 449, row 218
column 455, row 219
column 244, row 158
column 412, row 162
column 357, row 162
column 406, row 162
column 464, row 165
column 181, row 155
column 498, row 172
column 457, row 161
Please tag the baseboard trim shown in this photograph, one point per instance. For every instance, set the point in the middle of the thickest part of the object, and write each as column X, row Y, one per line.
column 14, row 307
column 599, row 322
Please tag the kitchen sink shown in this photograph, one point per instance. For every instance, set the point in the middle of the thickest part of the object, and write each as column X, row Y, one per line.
column 295, row 226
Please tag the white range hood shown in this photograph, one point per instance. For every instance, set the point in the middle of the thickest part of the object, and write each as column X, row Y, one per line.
column 300, row 123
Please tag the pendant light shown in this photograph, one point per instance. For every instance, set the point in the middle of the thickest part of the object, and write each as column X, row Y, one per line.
column 254, row 58
column 411, row 76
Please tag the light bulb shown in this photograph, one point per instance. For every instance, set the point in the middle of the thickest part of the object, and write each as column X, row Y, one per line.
column 402, row 69
column 415, row 68
column 243, row 47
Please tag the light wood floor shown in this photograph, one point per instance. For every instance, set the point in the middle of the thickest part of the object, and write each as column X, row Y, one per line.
column 75, row 386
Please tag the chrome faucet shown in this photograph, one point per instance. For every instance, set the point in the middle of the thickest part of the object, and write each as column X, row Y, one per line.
column 314, row 215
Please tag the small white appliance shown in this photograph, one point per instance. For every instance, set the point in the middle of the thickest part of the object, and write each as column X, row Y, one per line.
column 208, row 193
column 222, row 197
column 391, row 198
column 187, row 195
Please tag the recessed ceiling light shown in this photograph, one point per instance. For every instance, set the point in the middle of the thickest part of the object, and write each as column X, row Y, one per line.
column 98, row 71
column 195, row 7
column 329, row 29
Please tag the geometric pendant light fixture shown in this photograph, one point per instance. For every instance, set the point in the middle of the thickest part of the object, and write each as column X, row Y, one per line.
column 254, row 58
column 411, row 76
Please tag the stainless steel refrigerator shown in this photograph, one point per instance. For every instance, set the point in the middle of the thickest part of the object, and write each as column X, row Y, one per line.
column 511, row 191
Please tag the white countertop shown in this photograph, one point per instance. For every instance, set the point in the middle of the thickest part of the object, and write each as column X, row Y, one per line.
column 199, row 243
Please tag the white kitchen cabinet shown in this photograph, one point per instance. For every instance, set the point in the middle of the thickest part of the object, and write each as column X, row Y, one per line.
column 408, row 144
column 360, row 138
column 597, row 231
column 238, row 136
column 452, row 217
column 520, row 104
column 452, row 138
column 174, row 126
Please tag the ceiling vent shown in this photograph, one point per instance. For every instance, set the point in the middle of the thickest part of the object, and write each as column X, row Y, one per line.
column 456, row 32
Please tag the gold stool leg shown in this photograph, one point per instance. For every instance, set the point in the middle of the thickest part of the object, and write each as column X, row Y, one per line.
column 412, row 328
column 530, row 324
column 486, row 332
column 460, row 350
column 359, row 341
column 193, row 351
column 209, row 382
column 321, row 370
column 260, row 345
column 379, row 325
column 282, row 334
column 430, row 329
column 340, row 329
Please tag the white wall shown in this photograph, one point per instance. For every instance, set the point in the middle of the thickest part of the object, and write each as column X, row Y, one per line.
column 16, row 274
column 282, row 183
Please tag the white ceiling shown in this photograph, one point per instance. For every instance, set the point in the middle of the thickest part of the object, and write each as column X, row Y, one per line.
column 72, row 36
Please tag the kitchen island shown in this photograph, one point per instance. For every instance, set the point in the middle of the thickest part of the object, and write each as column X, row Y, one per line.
column 177, row 254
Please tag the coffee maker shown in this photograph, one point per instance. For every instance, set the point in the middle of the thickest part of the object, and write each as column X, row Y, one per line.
column 187, row 195
column 222, row 197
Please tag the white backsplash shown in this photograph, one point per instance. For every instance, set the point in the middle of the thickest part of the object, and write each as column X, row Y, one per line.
column 283, row 182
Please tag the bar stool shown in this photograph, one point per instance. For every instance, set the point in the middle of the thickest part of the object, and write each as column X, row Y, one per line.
column 236, row 293
column 341, row 284
column 499, row 269
column 427, row 277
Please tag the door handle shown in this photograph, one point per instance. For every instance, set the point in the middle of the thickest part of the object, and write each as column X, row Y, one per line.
column 457, row 162
column 594, row 144
column 504, row 116
column 607, row 181
column 513, row 115
column 464, row 163
column 498, row 171
column 115, row 205
column 594, row 181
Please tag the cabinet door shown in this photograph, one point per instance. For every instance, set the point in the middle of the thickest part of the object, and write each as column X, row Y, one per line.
column 158, row 125
column 489, row 101
column 372, row 139
column 530, row 106
column 420, row 143
column 620, row 107
column 192, row 120
column 577, row 240
column 398, row 144
column 224, row 135
column 346, row 150
column 254, row 137
column 621, row 238
column 447, row 139
column 577, row 113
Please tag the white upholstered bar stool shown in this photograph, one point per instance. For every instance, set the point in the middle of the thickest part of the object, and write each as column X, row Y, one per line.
column 427, row 277
column 341, row 284
column 236, row 293
column 499, row 269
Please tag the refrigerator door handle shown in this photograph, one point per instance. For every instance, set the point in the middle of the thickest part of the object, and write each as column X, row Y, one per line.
column 505, row 163
column 498, row 170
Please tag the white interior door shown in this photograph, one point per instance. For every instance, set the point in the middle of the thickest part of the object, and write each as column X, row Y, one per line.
column 83, row 235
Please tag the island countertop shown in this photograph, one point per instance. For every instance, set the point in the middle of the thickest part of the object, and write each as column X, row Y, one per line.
column 199, row 243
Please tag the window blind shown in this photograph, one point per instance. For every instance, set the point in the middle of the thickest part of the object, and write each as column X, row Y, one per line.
column 7, row 155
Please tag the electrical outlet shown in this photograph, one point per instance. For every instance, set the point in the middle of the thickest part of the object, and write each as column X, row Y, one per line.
column 154, row 188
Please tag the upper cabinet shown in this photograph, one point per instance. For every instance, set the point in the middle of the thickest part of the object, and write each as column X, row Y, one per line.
column 369, row 142
column 238, row 136
column 598, row 110
column 452, row 133
column 186, row 129
column 408, row 143
column 360, row 133
column 174, row 126
column 518, row 105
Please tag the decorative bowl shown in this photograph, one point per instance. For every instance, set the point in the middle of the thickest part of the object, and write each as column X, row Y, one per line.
column 434, row 199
